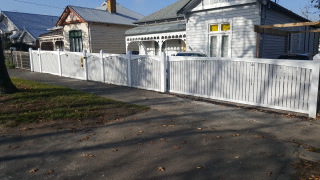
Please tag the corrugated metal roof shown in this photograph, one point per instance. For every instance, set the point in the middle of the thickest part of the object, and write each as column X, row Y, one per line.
column 35, row 24
column 122, row 10
column 157, row 28
column 168, row 12
column 102, row 16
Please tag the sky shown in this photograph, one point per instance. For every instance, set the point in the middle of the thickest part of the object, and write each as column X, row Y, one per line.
column 144, row 7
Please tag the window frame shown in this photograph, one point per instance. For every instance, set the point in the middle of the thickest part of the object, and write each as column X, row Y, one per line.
column 76, row 40
column 219, row 34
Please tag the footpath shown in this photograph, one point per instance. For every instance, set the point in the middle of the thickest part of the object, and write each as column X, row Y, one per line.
column 178, row 138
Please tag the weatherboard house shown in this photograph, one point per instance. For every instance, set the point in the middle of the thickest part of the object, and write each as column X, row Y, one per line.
column 221, row 28
column 90, row 29
column 24, row 27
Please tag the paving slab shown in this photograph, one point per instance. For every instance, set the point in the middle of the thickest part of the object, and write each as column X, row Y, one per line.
column 177, row 138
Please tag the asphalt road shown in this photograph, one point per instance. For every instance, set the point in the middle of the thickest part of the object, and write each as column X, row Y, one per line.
column 177, row 138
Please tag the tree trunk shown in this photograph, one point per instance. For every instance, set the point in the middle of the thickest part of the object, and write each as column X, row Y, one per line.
column 6, row 85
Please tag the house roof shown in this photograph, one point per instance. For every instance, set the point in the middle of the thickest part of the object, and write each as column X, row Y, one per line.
column 34, row 24
column 101, row 16
column 157, row 28
column 271, row 4
column 169, row 12
column 53, row 33
column 122, row 10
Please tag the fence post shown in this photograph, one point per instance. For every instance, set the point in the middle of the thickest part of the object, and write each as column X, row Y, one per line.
column 31, row 59
column 163, row 72
column 102, row 67
column 59, row 62
column 314, row 88
column 40, row 62
column 129, row 54
column 21, row 59
column 85, row 65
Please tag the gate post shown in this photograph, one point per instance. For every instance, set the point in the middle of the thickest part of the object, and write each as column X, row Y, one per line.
column 59, row 62
column 129, row 53
column 85, row 65
column 40, row 61
column 314, row 88
column 31, row 60
column 102, row 67
column 163, row 72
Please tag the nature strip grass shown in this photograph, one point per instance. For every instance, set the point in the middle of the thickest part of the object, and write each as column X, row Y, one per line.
column 40, row 101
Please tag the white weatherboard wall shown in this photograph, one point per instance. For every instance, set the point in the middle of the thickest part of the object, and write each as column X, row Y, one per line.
column 242, row 19
column 280, row 84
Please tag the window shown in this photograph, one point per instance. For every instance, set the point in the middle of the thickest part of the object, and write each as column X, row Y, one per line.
column 75, row 41
column 219, row 40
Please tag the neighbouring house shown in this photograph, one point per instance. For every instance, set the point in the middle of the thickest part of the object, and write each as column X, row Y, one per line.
column 103, row 28
column 24, row 27
column 221, row 28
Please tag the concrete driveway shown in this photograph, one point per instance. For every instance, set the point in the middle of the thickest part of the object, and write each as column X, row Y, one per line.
column 176, row 139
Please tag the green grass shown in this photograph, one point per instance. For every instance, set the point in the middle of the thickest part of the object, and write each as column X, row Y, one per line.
column 42, row 102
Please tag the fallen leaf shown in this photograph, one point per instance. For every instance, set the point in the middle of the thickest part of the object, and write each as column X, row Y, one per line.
column 259, row 136
column 13, row 147
column 199, row 167
column 84, row 138
column 236, row 135
column 26, row 129
column 115, row 150
column 176, row 147
column 33, row 170
column 50, row 172
column 268, row 173
column 219, row 137
column 199, row 128
column 161, row 169
column 237, row 157
column 162, row 139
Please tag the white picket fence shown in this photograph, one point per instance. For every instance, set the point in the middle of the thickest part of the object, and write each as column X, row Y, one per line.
column 280, row 84
column 121, row 69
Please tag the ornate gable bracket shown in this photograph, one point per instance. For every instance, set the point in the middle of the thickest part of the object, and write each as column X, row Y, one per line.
column 69, row 16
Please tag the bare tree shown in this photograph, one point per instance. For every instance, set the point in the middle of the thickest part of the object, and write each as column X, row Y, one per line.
column 6, row 85
column 315, row 3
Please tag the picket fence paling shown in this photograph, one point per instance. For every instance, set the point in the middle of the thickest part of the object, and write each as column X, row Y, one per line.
column 280, row 84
